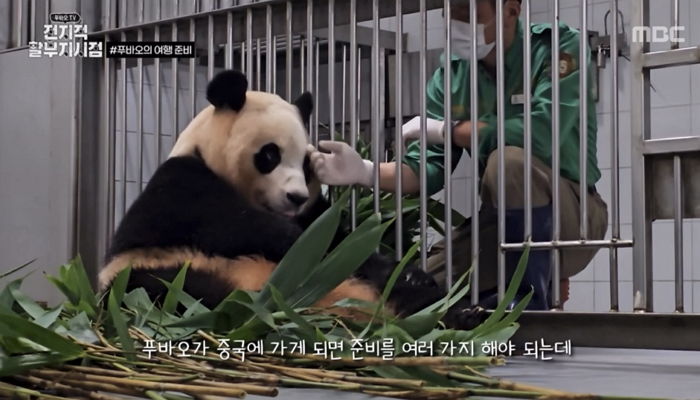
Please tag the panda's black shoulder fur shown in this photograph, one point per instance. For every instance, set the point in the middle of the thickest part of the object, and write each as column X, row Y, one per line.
column 185, row 204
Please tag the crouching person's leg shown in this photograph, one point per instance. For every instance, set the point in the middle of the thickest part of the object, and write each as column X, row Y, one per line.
column 462, row 258
column 575, row 260
column 539, row 267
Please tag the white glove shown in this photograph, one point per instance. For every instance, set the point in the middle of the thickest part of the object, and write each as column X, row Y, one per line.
column 342, row 166
column 434, row 129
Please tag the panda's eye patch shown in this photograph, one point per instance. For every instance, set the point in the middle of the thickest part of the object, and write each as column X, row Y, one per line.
column 268, row 158
column 307, row 168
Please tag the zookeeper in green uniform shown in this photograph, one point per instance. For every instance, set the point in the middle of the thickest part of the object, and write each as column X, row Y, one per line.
column 343, row 165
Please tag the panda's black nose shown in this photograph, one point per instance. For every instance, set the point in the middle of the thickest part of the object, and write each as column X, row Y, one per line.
column 297, row 199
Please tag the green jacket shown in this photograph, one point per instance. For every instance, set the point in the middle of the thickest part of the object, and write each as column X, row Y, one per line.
column 541, row 106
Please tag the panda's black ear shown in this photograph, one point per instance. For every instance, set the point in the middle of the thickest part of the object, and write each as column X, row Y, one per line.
column 228, row 89
column 305, row 104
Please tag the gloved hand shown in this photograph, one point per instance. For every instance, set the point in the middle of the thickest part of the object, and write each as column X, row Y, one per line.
column 342, row 166
column 434, row 129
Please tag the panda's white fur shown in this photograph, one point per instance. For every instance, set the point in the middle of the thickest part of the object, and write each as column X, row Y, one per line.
column 232, row 239
column 265, row 118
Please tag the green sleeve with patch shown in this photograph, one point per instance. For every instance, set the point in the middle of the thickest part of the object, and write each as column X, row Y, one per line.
column 435, row 154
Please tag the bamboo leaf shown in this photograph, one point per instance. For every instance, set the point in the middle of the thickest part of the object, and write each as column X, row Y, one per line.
column 514, row 314
column 501, row 335
column 6, row 298
column 390, row 285
column 80, row 328
column 72, row 296
column 28, row 305
column 171, row 298
column 82, row 283
column 341, row 263
column 58, row 347
column 13, row 270
column 512, row 290
column 49, row 317
column 510, row 318
column 420, row 323
column 116, row 294
column 260, row 312
column 306, row 252
column 209, row 320
column 254, row 328
column 13, row 365
column 306, row 330
column 456, row 292
column 229, row 314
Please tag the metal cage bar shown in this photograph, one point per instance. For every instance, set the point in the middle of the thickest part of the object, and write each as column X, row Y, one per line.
column 376, row 126
column 501, row 142
column 193, row 71
column 474, row 110
column 398, row 122
column 109, row 132
column 556, row 173
column 331, row 69
column 289, row 52
column 157, row 133
column 174, row 81
column 305, row 42
column 423, row 181
column 615, row 162
column 678, row 230
column 269, row 49
column 642, row 277
column 583, row 120
column 447, row 106
column 139, row 116
column 353, row 101
column 124, row 129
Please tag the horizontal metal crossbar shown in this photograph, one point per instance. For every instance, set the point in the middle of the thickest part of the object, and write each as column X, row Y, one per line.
column 568, row 244
column 672, row 145
column 319, row 15
column 671, row 58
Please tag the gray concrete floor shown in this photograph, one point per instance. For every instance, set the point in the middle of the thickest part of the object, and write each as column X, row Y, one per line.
column 622, row 372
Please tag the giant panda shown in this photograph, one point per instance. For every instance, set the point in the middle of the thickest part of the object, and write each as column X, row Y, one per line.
column 235, row 193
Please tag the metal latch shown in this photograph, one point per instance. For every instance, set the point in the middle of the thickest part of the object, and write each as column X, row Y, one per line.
column 600, row 45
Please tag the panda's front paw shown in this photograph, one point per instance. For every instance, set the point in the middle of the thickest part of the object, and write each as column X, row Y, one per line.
column 419, row 278
column 465, row 318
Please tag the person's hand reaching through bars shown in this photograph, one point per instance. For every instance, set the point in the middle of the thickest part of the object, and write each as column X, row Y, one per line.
column 435, row 130
column 341, row 166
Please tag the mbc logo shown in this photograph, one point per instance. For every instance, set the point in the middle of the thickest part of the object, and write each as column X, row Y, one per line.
column 657, row 34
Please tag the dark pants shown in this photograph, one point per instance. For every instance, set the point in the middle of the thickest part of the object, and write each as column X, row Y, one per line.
column 573, row 260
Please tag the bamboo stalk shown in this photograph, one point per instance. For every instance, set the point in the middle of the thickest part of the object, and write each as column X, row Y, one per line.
column 501, row 384
column 406, row 361
column 405, row 383
column 142, row 384
column 14, row 391
column 249, row 388
column 64, row 389
column 139, row 375
column 105, row 387
column 154, row 395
